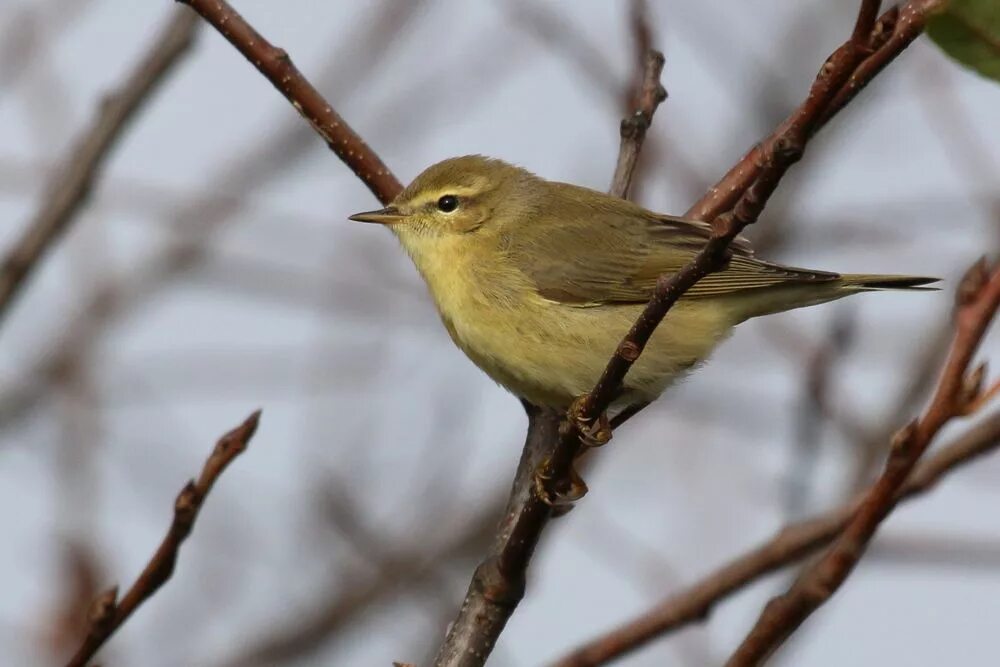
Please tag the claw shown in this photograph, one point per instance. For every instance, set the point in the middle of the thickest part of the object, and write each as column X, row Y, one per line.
column 562, row 498
column 592, row 434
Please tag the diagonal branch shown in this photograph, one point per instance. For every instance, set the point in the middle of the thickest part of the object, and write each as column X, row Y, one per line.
column 70, row 188
column 957, row 394
column 789, row 545
column 107, row 614
column 276, row 65
column 893, row 32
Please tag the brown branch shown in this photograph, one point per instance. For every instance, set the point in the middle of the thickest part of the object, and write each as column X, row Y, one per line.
column 72, row 185
column 957, row 393
column 107, row 614
column 789, row 545
column 633, row 128
column 424, row 566
column 893, row 32
column 276, row 65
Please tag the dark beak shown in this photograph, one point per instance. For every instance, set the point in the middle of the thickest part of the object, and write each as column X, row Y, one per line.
column 385, row 216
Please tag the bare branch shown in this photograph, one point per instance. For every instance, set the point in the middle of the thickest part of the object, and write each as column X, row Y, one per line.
column 787, row 546
column 893, row 32
column 71, row 187
column 276, row 65
column 958, row 393
column 633, row 128
column 107, row 614
column 425, row 567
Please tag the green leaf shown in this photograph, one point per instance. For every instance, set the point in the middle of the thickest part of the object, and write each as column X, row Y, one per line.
column 969, row 32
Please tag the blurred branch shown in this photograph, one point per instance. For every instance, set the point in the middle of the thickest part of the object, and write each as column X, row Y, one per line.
column 964, row 554
column 22, row 41
column 498, row 583
column 276, row 65
column 813, row 410
column 72, row 185
column 542, row 22
column 399, row 570
column 958, row 394
column 199, row 219
column 791, row 544
column 108, row 614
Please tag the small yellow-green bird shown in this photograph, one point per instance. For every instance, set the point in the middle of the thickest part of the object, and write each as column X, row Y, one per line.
column 537, row 281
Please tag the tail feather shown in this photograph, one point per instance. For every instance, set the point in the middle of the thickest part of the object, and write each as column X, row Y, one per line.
column 883, row 282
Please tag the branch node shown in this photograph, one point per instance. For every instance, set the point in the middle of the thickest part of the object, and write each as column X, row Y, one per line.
column 973, row 282
column 102, row 611
column 903, row 441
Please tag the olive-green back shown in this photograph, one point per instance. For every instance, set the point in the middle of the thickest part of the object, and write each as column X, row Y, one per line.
column 600, row 249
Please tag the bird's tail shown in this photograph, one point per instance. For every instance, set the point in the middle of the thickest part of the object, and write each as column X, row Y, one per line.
column 865, row 282
column 799, row 294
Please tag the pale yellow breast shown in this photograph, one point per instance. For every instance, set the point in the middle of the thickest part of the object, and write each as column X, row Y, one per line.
column 544, row 351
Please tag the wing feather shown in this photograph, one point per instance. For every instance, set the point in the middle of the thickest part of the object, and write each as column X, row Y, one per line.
column 595, row 254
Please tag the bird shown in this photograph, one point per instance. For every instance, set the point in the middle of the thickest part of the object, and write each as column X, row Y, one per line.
column 537, row 281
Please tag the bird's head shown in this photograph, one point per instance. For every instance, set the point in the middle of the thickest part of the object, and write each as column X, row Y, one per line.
column 462, row 195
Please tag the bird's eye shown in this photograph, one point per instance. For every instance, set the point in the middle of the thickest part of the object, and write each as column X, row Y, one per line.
column 447, row 203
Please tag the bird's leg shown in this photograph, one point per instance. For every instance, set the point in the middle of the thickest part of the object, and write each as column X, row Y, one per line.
column 593, row 433
column 559, row 496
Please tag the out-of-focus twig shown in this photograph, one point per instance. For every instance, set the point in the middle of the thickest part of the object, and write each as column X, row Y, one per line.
column 199, row 219
column 404, row 569
column 791, row 544
column 20, row 41
column 276, row 65
column 72, row 184
column 811, row 412
column 958, row 393
column 108, row 613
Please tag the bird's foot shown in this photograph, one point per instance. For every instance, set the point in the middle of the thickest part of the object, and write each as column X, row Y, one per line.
column 593, row 433
column 559, row 494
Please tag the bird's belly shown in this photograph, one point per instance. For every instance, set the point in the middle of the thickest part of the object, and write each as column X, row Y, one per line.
column 549, row 353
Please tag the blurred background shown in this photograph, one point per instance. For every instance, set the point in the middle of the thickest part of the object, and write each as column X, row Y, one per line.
column 214, row 272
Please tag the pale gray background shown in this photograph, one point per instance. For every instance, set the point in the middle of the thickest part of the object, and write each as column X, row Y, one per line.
column 325, row 325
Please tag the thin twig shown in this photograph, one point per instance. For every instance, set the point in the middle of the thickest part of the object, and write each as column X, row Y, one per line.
column 789, row 545
column 107, row 614
column 71, row 186
column 307, row 632
column 957, row 394
column 276, row 65
column 633, row 128
column 893, row 32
